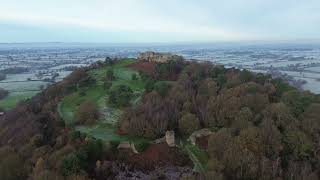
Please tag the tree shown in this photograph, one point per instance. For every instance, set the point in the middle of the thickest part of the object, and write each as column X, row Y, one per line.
column 11, row 165
column 218, row 143
column 280, row 114
column 243, row 119
column 162, row 88
column 188, row 123
column 310, row 120
column 281, row 86
column 87, row 113
column 221, row 80
column 245, row 76
column 297, row 101
column 134, row 77
column 120, row 96
column 70, row 164
column 149, row 86
column 271, row 139
column 109, row 61
column 107, row 84
column 110, row 75
column 3, row 93
column 298, row 144
column 2, row 76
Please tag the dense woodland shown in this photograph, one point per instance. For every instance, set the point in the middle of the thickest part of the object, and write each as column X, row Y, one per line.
column 263, row 128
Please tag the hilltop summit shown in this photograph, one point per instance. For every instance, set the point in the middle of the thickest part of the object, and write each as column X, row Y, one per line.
column 151, row 56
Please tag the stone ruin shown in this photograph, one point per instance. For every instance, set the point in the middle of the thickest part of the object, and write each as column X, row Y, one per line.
column 169, row 138
column 157, row 57
column 199, row 134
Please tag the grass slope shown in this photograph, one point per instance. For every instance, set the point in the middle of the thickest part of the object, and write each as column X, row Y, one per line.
column 12, row 99
column 105, row 128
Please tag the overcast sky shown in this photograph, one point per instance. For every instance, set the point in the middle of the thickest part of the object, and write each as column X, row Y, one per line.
column 135, row 21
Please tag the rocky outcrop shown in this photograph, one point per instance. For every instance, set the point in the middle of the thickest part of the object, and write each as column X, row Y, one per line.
column 158, row 57
column 199, row 134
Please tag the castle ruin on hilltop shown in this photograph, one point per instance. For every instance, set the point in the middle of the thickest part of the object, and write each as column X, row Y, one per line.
column 158, row 57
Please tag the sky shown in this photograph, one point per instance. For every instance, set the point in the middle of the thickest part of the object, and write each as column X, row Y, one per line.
column 163, row 21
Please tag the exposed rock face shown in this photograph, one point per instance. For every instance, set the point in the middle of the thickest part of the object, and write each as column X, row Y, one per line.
column 158, row 57
column 199, row 134
column 170, row 138
column 125, row 145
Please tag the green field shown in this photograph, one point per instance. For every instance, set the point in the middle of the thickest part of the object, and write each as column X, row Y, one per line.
column 105, row 128
column 12, row 99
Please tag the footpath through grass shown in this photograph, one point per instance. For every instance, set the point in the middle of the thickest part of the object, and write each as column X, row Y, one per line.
column 105, row 127
column 199, row 157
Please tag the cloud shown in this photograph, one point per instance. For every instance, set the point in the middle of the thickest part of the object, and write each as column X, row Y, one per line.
column 179, row 20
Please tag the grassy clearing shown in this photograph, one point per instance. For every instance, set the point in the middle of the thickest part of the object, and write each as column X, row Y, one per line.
column 12, row 99
column 105, row 128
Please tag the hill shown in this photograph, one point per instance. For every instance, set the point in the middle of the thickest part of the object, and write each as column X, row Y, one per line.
column 146, row 119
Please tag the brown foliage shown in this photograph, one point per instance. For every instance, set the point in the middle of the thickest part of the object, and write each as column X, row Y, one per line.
column 87, row 113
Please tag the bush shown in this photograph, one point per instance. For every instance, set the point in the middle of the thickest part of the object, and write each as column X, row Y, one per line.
column 120, row 96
